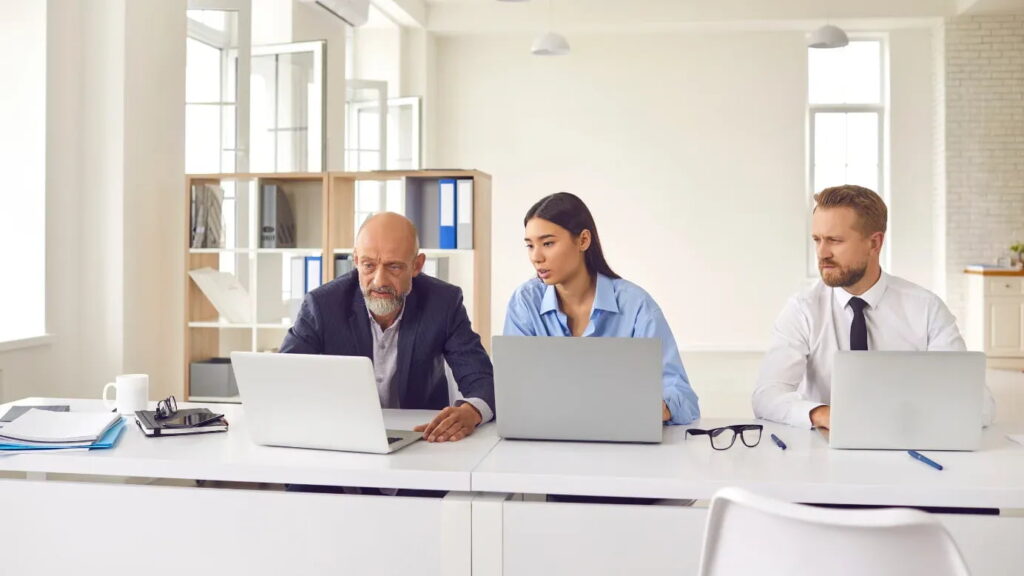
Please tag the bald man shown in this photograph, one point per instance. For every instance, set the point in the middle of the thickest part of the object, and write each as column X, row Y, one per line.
column 407, row 323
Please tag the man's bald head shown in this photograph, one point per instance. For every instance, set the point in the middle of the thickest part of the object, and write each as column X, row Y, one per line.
column 387, row 258
column 391, row 231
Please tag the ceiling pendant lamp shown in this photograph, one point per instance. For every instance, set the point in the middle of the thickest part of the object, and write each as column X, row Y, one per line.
column 550, row 43
column 828, row 36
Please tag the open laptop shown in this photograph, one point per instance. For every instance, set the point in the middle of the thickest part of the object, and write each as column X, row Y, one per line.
column 907, row 400
column 597, row 389
column 313, row 401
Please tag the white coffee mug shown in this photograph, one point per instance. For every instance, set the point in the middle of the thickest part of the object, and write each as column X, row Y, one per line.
column 132, row 393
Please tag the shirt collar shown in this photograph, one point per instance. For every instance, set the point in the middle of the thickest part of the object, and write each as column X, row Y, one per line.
column 604, row 297
column 873, row 296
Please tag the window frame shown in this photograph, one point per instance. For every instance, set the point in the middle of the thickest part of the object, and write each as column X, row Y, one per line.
column 882, row 109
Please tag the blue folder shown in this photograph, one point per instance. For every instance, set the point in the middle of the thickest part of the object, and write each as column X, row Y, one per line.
column 108, row 440
column 447, row 213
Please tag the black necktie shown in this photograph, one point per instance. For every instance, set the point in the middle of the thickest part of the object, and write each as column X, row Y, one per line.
column 859, row 328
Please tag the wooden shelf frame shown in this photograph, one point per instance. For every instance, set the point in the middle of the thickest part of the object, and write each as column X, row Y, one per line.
column 206, row 336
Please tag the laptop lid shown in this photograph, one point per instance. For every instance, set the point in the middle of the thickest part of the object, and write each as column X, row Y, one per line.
column 312, row 401
column 907, row 400
column 598, row 389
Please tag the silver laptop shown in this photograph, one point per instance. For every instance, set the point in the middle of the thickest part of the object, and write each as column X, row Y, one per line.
column 313, row 401
column 907, row 400
column 597, row 389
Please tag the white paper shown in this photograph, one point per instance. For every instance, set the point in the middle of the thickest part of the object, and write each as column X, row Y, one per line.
column 465, row 189
column 447, row 204
column 46, row 426
column 225, row 293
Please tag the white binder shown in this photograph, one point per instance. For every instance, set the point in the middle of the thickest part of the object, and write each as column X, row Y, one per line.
column 464, row 192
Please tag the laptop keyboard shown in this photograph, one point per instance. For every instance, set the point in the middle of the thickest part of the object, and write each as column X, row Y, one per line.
column 393, row 439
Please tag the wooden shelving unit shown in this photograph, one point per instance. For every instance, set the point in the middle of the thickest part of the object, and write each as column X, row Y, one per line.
column 324, row 206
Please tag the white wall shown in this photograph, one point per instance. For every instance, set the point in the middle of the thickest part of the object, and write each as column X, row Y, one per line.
column 53, row 367
column 984, row 113
column 689, row 148
column 154, row 211
column 23, row 160
column 912, row 156
column 115, row 215
column 311, row 22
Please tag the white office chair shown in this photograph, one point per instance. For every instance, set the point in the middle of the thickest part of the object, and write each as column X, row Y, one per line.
column 751, row 534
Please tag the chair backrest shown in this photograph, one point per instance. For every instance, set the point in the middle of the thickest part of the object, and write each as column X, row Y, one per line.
column 751, row 534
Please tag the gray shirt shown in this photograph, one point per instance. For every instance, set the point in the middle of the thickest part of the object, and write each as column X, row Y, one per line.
column 385, row 359
column 385, row 362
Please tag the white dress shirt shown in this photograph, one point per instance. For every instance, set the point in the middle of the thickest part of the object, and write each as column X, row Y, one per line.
column 796, row 373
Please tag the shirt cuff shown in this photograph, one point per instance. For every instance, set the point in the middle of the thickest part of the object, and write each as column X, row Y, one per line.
column 800, row 413
column 485, row 411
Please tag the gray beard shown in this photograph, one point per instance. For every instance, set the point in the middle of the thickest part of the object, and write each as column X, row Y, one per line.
column 383, row 306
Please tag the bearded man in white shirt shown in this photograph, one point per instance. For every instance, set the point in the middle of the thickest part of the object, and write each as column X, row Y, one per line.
column 855, row 306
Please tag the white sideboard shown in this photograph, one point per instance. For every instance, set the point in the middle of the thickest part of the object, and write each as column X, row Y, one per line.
column 995, row 316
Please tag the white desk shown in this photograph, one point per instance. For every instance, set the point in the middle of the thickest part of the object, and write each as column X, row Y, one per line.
column 237, row 530
column 486, row 531
column 809, row 471
column 528, row 537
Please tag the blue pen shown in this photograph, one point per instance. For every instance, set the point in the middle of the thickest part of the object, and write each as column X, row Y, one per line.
column 778, row 442
column 918, row 456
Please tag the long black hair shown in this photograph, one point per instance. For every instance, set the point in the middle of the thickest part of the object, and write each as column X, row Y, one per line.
column 569, row 212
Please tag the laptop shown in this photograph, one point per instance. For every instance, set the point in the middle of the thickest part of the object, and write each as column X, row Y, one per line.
column 314, row 401
column 591, row 389
column 907, row 400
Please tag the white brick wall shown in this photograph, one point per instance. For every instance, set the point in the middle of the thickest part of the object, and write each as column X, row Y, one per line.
column 984, row 144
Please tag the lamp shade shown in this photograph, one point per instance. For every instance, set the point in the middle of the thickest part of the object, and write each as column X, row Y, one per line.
column 550, row 44
column 827, row 36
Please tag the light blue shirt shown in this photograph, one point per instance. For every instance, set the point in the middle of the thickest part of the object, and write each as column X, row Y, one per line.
column 621, row 310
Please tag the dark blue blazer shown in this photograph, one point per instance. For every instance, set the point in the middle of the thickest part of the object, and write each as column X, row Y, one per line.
column 333, row 320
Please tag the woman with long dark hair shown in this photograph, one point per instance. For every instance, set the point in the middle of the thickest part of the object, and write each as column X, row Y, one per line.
column 576, row 293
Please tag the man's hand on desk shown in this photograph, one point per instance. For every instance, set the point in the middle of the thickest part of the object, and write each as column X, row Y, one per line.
column 820, row 417
column 451, row 424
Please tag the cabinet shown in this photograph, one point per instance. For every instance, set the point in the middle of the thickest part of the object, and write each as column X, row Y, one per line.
column 995, row 315
column 267, row 263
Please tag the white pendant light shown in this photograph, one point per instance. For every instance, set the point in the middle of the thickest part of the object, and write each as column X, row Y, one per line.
column 828, row 36
column 550, row 44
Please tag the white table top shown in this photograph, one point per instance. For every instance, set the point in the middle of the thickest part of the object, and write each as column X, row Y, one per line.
column 232, row 456
column 808, row 471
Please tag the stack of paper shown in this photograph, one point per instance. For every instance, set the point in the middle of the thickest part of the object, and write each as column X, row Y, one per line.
column 45, row 430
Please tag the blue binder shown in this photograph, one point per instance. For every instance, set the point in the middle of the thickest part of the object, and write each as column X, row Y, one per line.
column 314, row 273
column 448, row 213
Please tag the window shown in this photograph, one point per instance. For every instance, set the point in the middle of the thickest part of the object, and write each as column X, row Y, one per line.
column 847, row 115
column 23, row 151
column 211, row 107
column 288, row 99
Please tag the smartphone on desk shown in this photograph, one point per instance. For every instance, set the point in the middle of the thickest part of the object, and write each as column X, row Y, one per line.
column 184, row 419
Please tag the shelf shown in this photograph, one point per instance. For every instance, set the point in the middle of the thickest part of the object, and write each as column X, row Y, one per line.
column 219, row 325
column 220, row 250
column 216, row 399
column 291, row 251
column 427, row 251
column 323, row 205
column 260, row 326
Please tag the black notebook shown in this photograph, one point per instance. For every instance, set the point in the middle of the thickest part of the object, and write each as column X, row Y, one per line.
column 185, row 421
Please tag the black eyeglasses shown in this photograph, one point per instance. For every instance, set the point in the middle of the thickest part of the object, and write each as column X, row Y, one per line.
column 166, row 408
column 723, row 438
